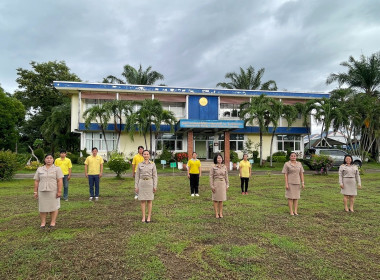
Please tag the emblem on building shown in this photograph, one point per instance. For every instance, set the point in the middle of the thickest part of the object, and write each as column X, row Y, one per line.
column 203, row 101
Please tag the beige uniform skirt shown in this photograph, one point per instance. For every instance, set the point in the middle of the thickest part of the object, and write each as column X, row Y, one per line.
column 146, row 189
column 220, row 190
column 294, row 191
column 349, row 186
column 48, row 202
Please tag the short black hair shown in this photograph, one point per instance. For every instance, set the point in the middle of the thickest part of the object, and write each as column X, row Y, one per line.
column 94, row 148
column 216, row 157
column 194, row 153
column 140, row 147
column 49, row 154
column 346, row 156
column 62, row 151
column 146, row 151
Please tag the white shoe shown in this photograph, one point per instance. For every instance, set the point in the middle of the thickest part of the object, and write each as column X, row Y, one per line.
column 192, row 194
column 96, row 198
column 196, row 194
column 90, row 199
column 136, row 197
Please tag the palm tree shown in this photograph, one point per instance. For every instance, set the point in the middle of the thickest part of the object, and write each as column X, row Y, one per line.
column 257, row 109
column 274, row 116
column 305, row 109
column 136, row 77
column 150, row 113
column 118, row 109
column 327, row 112
column 101, row 116
column 247, row 80
column 362, row 74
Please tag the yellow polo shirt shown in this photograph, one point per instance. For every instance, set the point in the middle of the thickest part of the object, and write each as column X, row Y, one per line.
column 194, row 166
column 136, row 160
column 244, row 166
column 65, row 165
column 93, row 164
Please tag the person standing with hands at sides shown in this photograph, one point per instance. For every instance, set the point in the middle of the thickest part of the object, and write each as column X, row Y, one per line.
column 348, row 178
column 219, row 185
column 294, row 179
column 48, row 190
column 146, row 185
column 135, row 162
column 193, row 173
column 65, row 164
column 93, row 169
column 245, row 171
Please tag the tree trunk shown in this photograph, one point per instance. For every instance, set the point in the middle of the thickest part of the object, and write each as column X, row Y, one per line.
column 271, row 148
column 261, row 148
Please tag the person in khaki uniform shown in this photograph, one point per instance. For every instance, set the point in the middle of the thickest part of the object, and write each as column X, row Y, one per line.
column 293, row 171
column 348, row 178
column 146, row 184
column 219, row 185
column 48, row 190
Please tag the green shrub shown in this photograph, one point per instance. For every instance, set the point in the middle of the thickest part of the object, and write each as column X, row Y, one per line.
column 166, row 155
column 277, row 158
column 321, row 163
column 255, row 155
column 279, row 153
column 22, row 159
column 118, row 164
column 81, row 160
column 40, row 154
column 234, row 157
column 8, row 165
column 84, row 153
column 73, row 157
column 33, row 165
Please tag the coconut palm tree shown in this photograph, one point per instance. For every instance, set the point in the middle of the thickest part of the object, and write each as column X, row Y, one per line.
column 249, row 80
column 117, row 109
column 101, row 116
column 305, row 109
column 274, row 116
column 136, row 77
column 362, row 74
column 150, row 114
column 259, row 109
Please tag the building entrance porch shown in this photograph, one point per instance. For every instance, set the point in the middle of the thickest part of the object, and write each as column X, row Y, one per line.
column 204, row 146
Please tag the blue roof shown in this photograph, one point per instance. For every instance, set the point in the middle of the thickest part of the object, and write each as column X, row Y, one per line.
column 62, row 85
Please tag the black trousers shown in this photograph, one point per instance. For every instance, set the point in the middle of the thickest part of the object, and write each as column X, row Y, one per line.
column 244, row 181
column 194, row 183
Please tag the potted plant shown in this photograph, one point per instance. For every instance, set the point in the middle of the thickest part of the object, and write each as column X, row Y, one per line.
column 184, row 162
column 234, row 159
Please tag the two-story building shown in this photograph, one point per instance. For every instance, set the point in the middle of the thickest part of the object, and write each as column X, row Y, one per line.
column 207, row 119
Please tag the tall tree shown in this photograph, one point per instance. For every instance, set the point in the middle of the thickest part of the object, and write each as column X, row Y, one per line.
column 37, row 93
column 327, row 112
column 12, row 113
column 362, row 74
column 249, row 80
column 119, row 109
column 150, row 114
column 100, row 115
column 258, row 109
column 275, row 113
column 305, row 110
column 136, row 77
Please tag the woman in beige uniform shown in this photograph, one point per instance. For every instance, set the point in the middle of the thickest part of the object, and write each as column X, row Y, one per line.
column 293, row 171
column 48, row 190
column 348, row 178
column 219, row 185
column 146, row 184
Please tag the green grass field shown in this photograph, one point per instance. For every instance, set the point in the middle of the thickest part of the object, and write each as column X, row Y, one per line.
column 257, row 239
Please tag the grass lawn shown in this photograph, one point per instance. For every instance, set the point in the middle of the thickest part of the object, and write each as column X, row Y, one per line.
column 257, row 238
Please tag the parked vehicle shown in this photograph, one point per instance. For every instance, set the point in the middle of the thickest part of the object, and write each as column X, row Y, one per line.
column 336, row 154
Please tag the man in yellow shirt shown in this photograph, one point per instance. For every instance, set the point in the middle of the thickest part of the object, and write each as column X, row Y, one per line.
column 245, row 172
column 193, row 173
column 65, row 164
column 135, row 162
column 93, row 169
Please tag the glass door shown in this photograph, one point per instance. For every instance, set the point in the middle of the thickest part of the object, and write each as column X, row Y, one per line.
column 210, row 149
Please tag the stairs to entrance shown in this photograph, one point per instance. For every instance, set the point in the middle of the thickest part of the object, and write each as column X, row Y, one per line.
column 206, row 165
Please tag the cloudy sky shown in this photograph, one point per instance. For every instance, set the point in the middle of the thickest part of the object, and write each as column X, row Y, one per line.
column 194, row 43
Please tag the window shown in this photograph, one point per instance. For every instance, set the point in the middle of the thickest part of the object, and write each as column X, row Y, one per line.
column 229, row 110
column 178, row 108
column 96, row 139
column 170, row 142
column 236, row 142
column 92, row 102
column 288, row 142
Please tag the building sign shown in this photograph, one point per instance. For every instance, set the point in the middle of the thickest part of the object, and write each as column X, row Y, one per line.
column 211, row 124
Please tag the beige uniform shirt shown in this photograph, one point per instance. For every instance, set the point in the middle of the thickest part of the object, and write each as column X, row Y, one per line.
column 218, row 174
column 48, row 178
column 293, row 172
column 349, row 171
column 146, row 171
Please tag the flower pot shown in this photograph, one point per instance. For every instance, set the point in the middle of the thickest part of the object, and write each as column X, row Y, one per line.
column 180, row 165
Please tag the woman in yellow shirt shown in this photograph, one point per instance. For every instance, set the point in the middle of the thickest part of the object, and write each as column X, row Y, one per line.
column 245, row 172
column 193, row 173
